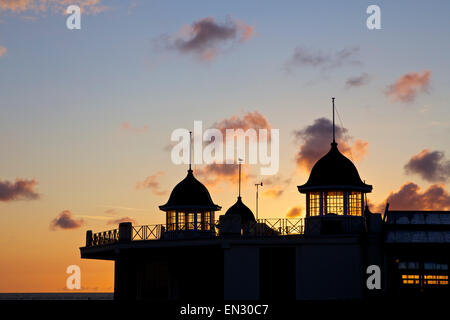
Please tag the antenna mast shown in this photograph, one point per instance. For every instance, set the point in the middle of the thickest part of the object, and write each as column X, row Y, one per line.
column 333, row 120
column 239, row 160
column 190, row 151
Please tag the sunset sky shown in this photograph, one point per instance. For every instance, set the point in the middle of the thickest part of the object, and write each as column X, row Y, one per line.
column 86, row 115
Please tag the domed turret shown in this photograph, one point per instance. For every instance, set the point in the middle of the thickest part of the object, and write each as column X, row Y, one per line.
column 190, row 206
column 189, row 193
column 334, row 185
column 240, row 209
column 334, row 171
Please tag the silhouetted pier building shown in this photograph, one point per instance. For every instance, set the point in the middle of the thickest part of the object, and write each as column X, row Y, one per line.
column 322, row 256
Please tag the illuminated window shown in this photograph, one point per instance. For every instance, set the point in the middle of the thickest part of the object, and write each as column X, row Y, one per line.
column 354, row 203
column 314, row 203
column 206, row 221
column 171, row 220
column 334, row 202
column 181, row 221
column 190, row 221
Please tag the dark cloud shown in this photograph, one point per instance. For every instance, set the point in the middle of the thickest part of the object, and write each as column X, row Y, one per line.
column 294, row 212
column 430, row 165
column 152, row 183
column 21, row 189
column 303, row 57
column 206, row 37
column 409, row 86
column 357, row 81
column 65, row 221
column 316, row 139
column 215, row 173
column 124, row 219
column 410, row 197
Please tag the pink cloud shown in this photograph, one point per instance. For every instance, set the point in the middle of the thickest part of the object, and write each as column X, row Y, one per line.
column 409, row 86
column 411, row 197
column 152, row 183
column 316, row 139
column 2, row 51
column 127, row 127
column 65, row 221
column 21, row 189
column 56, row 6
column 294, row 212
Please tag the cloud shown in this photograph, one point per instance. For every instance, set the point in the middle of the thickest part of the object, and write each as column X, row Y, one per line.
column 2, row 51
column 430, row 165
column 273, row 192
column 410, row 197
column 357, row 81
column 294, row 212
column 214, row 174
column 303, row 57
column 64, row 220
column 152, row 183
column 316, row 140
column 56, row 6
column 124, row 219
column 205, row 38
column 127, row 127
column 250, row 120
column 274, row 186
column 409, row 86
column 21, row 189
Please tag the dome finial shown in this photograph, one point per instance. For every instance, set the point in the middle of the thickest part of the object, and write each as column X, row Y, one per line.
column 190, row 151
column 333, row 120
column 239, row 164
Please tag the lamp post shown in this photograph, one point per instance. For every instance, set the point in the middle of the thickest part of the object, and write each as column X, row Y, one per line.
column 257, row 188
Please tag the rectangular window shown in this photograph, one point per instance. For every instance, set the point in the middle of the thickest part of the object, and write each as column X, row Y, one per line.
column 181, row 221
column 190, row 221
column 354, row 203
column 171, row 220
column 334, row 203
column 314, row 203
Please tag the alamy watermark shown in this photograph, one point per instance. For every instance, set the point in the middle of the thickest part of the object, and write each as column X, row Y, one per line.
column 73, row 281
column 214, row 146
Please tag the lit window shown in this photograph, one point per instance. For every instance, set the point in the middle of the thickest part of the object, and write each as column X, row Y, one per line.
column 190, row 221
column 314, row 203
column 354, row 203
column 171, row 220
column 181, row 221
column 334, row 202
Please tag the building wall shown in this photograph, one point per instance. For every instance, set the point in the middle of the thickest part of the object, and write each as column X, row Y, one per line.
column 241, row 273
column 329, row 271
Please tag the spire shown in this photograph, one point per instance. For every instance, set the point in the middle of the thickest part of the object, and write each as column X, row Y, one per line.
column 239, row 160
column 190, row 151
column 333, row 121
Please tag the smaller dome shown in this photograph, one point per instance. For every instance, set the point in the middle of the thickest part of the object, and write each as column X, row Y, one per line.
column 242, row 210
column 334, row 171
column 190, row 194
